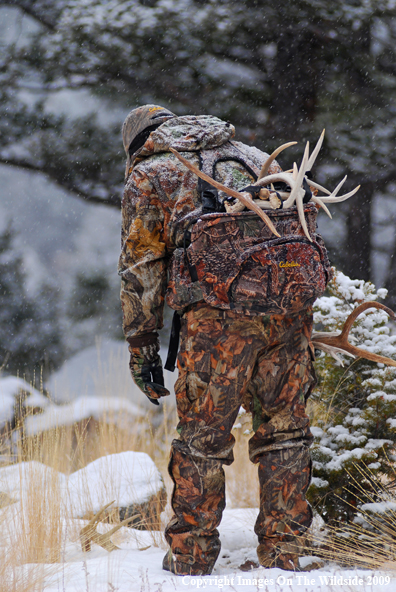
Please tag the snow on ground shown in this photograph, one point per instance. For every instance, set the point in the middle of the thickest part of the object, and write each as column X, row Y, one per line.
column 137, row 563
column 137, row 567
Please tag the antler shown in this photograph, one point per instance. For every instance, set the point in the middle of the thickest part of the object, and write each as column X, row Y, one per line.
column 296, row 179
column 244, row 198
column 339, row 342
column 89, row 534
column 270, row 159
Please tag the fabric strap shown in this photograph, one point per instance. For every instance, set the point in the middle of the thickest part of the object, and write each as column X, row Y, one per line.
column 143, row 340
column 173, row 343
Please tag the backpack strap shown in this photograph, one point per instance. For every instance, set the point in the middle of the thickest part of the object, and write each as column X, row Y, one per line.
column 208, row 161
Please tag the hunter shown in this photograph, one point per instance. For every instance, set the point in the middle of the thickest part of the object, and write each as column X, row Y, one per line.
column 245, row 337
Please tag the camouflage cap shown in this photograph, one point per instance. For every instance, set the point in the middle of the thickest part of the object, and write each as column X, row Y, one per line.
column 138, row 125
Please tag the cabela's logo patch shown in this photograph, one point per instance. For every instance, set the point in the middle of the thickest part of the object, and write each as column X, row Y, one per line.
column 289, row 264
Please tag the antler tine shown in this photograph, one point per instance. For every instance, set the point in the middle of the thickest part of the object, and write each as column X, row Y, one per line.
column 300, row 209
column 298, row 181
column 98, row 516
column 284, row 177
column 358, row 311
column 317, row 186
column 270, row 159
column 315, row 153
column 340, row 184
column 329, row 349
column 247, row 201
column 104, row 539
column 319, row 201
column 296, row 193
column 340, row 342
column 89, row 534
column 120, row 525
column 340, row 198
column 295, row 171
column 299, row 197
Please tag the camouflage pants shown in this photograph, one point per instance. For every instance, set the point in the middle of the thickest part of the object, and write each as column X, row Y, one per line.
column 225, row 359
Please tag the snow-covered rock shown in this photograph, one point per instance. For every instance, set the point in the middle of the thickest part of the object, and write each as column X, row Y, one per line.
column 130, row 479
column 17, row 480
column 111, row 410
column 10, row 388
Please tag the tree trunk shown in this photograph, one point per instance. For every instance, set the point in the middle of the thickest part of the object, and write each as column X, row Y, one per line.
column 358, row 243
column 390, row 283
column 294, row 83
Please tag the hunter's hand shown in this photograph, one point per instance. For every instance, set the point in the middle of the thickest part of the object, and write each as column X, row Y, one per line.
column 146, row 370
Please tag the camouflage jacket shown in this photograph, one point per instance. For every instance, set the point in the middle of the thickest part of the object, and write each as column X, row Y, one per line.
column 159, row 192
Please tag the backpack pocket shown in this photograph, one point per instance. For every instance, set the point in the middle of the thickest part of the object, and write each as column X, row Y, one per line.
column 181, row 290
column 232, row 262
column 280, row 276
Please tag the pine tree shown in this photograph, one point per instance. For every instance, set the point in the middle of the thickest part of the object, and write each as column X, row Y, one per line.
column 30, row 336
column 279, row 71
column 357, row 428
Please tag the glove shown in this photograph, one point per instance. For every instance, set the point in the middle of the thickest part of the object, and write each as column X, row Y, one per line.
column 146, row 366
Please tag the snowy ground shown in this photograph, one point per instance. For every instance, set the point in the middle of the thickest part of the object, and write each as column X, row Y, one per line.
column 137, row 567
column 137, row 563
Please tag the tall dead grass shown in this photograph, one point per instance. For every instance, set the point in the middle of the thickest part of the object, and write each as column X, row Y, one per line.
column 33, row 525
column 369, row 541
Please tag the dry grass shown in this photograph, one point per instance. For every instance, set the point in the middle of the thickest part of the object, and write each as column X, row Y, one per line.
column 368, row 542
column 242, row 486
column 33, row 530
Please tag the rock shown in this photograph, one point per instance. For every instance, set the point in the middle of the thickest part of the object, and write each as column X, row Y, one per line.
column 131, row 479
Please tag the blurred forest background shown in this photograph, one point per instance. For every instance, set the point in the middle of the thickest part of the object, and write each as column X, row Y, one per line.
column 70, row 72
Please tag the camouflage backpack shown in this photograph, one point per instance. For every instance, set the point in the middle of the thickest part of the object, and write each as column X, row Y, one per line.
column 234, row 262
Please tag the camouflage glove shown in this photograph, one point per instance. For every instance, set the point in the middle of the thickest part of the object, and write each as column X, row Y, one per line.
column 146, row 366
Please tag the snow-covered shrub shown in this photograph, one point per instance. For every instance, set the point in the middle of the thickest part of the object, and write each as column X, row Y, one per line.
column 357, row 425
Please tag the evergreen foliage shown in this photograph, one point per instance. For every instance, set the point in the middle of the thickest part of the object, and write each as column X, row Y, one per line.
column 358, row 404
column 94, row 309
column 30, row 335
column 280, row 72
column 89, row 293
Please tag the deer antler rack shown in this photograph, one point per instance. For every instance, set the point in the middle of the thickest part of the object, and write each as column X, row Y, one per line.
column 338, row 343
column 242, row 197
column 298, row 180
